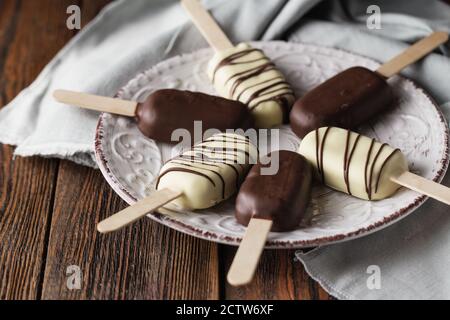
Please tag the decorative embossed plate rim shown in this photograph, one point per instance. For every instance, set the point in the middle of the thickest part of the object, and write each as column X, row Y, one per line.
column 388, row 219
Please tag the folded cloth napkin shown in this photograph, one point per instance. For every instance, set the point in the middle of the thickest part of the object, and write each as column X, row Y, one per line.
column 130, row 36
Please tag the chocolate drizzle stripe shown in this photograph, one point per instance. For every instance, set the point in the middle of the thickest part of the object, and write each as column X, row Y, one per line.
column 222, row 180
column 228, row 140
column 348, row 159
column 382, row 167
column 249, row 73
column 196, row 160
column 207, row 160
column 246, row 74
column 263, row 92
column 214, row 164
column 230, row 60
column 319, row 170
column 216, row 150
column 243, row 76
column 176, row 169
column 373, row 165
column 350, row 148
column 322, row 149
column 236, row 90
column 320, row 145
column 258, row 84
column 345, row 171
column 366, row 167
column 276, row 98
column 218, row 161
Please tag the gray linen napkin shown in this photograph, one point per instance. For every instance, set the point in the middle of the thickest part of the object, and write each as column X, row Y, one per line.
column 130, row 36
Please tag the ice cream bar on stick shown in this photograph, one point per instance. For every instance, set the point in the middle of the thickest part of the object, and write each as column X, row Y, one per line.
column 209, row 173
column 244, row 73
column 362, row 167
column 166, row 110
column 276, row 202
column 357, row 94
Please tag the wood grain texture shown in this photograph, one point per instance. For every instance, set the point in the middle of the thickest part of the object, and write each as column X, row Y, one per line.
column 279, row 276
column 25, row 196
column 144, row 261
column 26, row 185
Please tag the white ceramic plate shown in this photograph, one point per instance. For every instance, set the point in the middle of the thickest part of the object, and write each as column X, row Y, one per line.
column 130, row 162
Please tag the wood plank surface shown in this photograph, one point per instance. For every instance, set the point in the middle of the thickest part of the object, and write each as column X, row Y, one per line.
column 26, row 185
column 26, row 189
column 279, row 277
column 144, row 261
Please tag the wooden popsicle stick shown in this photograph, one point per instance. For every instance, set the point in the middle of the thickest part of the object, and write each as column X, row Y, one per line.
column 414, row 53
column 247, row 256
column 430, row 188
column 137, row 211
column 97, row 103
column 209, row 28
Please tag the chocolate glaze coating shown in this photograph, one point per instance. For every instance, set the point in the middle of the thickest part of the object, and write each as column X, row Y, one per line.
column 167, row 110
column 346, row 100
column 282, row 198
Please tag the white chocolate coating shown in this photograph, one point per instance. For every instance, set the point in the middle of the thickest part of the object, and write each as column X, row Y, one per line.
column 245, row 74
column 209, row 173
column 353, row 163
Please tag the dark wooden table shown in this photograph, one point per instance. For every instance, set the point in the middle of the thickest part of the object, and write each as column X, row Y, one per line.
column 49, row 208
